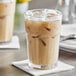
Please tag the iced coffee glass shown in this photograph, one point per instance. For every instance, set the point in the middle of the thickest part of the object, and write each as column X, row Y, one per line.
column 43, row 34
column 7, row 11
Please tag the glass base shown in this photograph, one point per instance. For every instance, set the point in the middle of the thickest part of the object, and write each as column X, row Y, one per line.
column 5, row 41
column 42, row 67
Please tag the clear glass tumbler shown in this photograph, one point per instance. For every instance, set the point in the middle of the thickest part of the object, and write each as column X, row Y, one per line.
column 73, row 11
column 43, row 34
column 7, row 11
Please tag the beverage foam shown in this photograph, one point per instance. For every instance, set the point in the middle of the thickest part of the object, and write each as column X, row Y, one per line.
column 43, row 15
column 5, row 1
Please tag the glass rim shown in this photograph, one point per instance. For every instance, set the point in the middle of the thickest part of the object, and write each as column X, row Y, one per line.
column 5, row 1
column 28, row 16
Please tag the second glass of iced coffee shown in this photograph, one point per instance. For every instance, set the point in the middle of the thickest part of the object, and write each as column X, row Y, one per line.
column 43, row 34
column 7, row 12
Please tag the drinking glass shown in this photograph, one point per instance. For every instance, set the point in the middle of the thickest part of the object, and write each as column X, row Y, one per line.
column 43, row 34
column 7, row 11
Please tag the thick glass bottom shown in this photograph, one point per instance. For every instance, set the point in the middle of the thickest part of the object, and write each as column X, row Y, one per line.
column 5, row 41
column 42, row 67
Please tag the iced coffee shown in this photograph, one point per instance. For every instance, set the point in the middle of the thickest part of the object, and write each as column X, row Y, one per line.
column 43, row 34
column 7, row 11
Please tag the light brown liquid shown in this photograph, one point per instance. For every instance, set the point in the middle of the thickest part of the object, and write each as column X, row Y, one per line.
column 43, row 41
column 7, row 11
